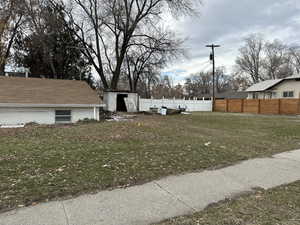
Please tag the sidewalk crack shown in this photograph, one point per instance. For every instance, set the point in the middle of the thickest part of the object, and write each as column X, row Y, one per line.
column 65, row 212
column 175, row 197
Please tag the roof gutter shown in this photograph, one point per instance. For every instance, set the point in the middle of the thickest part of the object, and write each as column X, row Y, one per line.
column 266, row 90
column 18, row 105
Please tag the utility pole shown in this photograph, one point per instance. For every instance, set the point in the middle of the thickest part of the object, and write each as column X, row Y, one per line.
column 212, row 58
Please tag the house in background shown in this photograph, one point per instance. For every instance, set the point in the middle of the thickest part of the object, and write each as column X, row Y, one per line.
column 46, row 101
column 225, row 95
column 273, row 89
column 17, row 72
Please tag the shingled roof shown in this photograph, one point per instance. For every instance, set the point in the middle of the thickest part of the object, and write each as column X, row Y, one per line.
column 16, row 90
column 264, row 85
column 267, row 84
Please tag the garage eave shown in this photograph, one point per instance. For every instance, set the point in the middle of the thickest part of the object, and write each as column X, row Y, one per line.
column 19, row 105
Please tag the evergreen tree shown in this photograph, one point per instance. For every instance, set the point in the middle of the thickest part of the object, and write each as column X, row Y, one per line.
column 50, row 49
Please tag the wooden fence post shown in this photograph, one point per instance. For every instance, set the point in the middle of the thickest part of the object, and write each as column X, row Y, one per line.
column 226, row 106
column 242, row 106
column 279, row 106
column 258, row 108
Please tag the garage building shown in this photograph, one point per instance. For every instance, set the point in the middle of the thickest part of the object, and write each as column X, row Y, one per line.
column 46, row 101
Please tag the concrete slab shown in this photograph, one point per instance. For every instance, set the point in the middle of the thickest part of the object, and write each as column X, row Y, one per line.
column 293, row 155
column 136, row 205
column 51, row 213
column 265, row 173
column 198, row 190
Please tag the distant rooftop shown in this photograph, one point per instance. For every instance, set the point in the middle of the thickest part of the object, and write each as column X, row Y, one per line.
column 264, row 85
column 226, row 95
column 267, row 84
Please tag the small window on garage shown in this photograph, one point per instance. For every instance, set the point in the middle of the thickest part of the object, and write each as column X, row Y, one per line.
column 288, row 94
column 63, row 116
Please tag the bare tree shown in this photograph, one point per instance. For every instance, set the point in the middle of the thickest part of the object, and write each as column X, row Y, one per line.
column 148, row 80
column 239, row 82
column 109, row 28
column 201, row 83
column 277, row 60
column 223, row 81
column 198, row 84
column 294, row 53
column 250, row 56
column 11, row 18
column 150, row 55
column 166, row 88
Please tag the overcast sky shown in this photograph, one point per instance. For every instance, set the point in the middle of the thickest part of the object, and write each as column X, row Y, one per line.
column 227, row 22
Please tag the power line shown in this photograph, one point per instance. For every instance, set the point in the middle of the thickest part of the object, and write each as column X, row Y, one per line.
column 204, row 68
column 203, row 65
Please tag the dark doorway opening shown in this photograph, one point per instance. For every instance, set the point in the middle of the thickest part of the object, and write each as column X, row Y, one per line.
column 121, row 105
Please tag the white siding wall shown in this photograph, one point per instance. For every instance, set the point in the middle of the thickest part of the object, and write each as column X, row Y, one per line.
column 110, row 100
column 287, row 85
column 190, row 105
column 80, row 114
column 42, row 115
column 26, row 115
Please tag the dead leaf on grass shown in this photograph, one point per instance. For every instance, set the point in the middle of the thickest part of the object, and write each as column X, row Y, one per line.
column 59, row 170
column 207, row 144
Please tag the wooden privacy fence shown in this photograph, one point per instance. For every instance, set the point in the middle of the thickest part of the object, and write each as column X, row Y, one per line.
column 259, row 106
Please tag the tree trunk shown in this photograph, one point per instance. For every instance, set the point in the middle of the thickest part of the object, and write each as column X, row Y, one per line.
column 2, row 69
column 135, row 84
column 54, row 73
column 117, row 72
column 103, row 79
column 148, row 94
column 120, row 60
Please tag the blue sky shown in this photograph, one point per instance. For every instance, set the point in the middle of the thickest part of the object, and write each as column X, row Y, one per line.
column 228, row 22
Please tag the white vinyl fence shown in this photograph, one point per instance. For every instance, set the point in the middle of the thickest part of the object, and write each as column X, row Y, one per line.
column 189, row 105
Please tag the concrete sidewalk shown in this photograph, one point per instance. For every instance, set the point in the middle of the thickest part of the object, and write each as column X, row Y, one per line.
column 162, row 199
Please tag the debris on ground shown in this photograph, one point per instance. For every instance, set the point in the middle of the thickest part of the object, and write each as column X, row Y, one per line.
column 106, row 166
column 165, row 111
column 154, row 110
column 13, row 126
column 104, row 115
column 119, row 118
column 186, row 113
column 149, row 113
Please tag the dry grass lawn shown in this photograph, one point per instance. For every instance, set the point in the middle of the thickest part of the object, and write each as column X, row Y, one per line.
column 278, row 206
column 40, row 163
